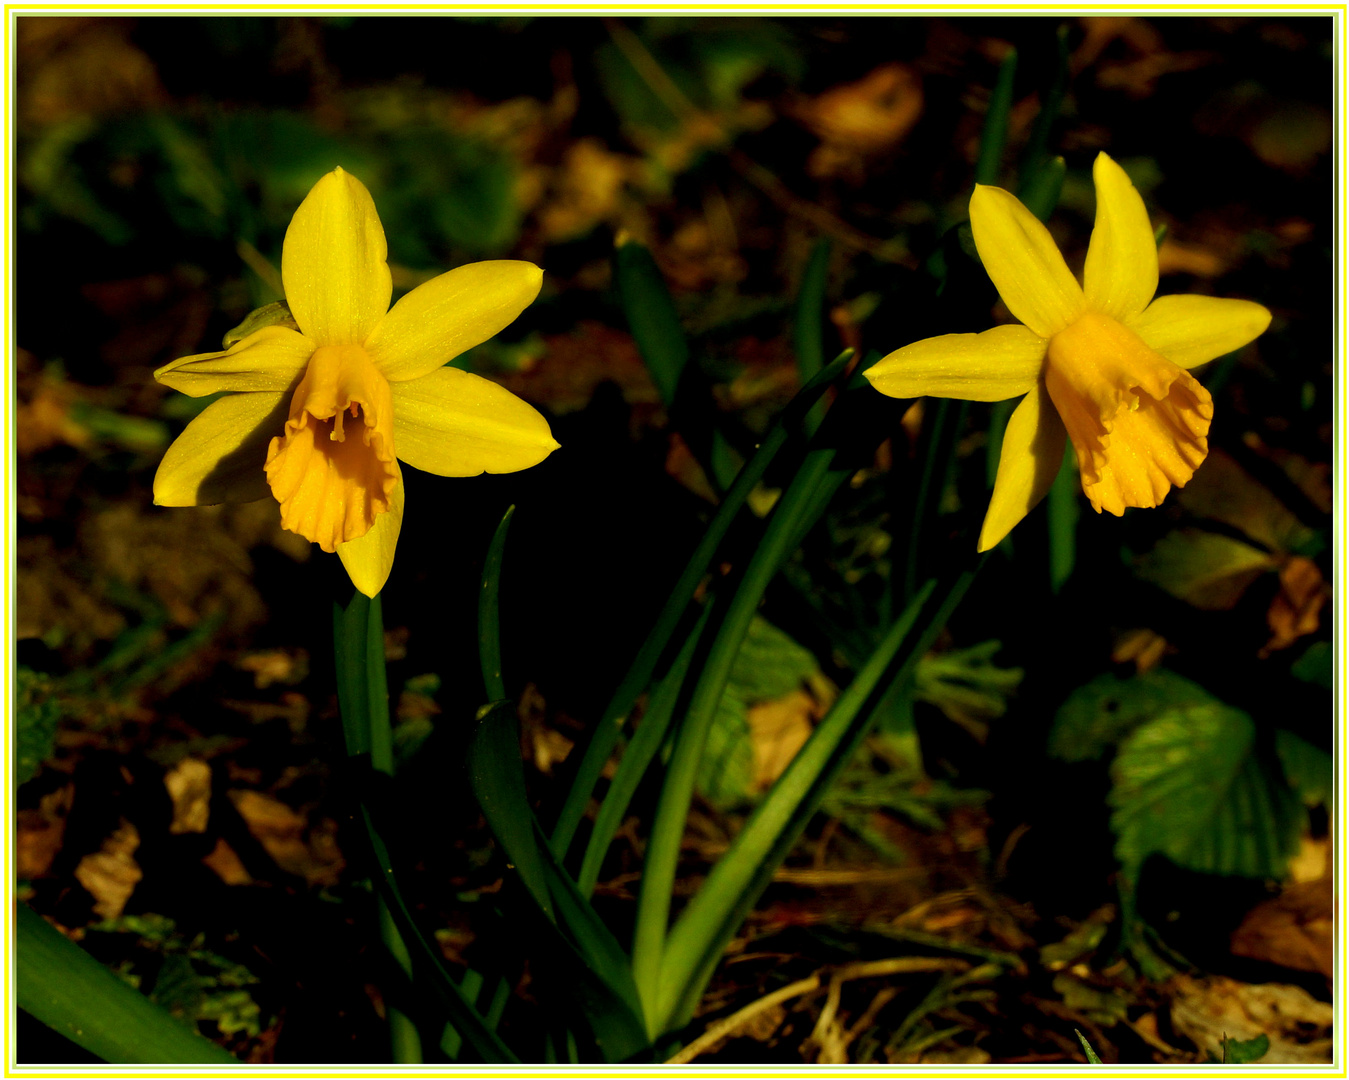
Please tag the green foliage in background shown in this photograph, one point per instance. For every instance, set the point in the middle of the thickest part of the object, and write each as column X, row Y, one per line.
column 182, row 975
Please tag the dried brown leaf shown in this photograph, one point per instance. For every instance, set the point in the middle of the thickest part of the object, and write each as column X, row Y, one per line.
column 189, row 786
column 111, row 874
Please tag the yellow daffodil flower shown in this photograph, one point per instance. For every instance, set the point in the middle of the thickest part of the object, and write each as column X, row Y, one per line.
column 1101, row 363
column 320, row 416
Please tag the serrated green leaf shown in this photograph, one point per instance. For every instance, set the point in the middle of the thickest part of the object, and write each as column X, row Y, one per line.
column 769, row 663
column 1308, row 768
column 1206, row 569
column 1188, row 785
column 768, row 666
column 726, row 777
column 1098, row 715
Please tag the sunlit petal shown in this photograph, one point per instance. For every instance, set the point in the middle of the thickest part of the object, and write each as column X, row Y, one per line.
column 1192, row 330
column 271, row 359
column 1000, row 363
column 1023, row 261
column 1032, row 452
column 452, row 423
column 369, row 558
column 219, row 457
column 450, row 314
column 1121, row 272
column 334, row 263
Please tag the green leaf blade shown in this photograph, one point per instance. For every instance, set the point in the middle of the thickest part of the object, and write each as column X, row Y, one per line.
column 72, row 993
column 489, row 613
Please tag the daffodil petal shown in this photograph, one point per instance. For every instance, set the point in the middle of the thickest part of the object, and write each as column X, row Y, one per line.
column 369, row 558
column 334, row 263
column 1121, row 272
column 273, row 359
column 1191, row 330
column 219, row 456
column 450, row 314
column 452, row 423
column 1023, row 261
column 1032, row 453
column 1000, row 363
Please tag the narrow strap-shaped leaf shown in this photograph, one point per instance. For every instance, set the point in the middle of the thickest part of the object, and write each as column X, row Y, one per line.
column 697, row 940
column 662, row 853
column 937, row 452
column 499, row 784
column 605, row 734
column 469, row 1025
column 72, row 993
column 652, row 316
column 994, row 139
column 799, row 506
column 602, row 985
column 808, row 324
column 637, row 758
column 593, row 938
column 489, row 613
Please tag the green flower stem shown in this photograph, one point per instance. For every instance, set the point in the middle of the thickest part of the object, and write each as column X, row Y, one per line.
column 662, row 856
column 363, row 694
column 605, row 736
